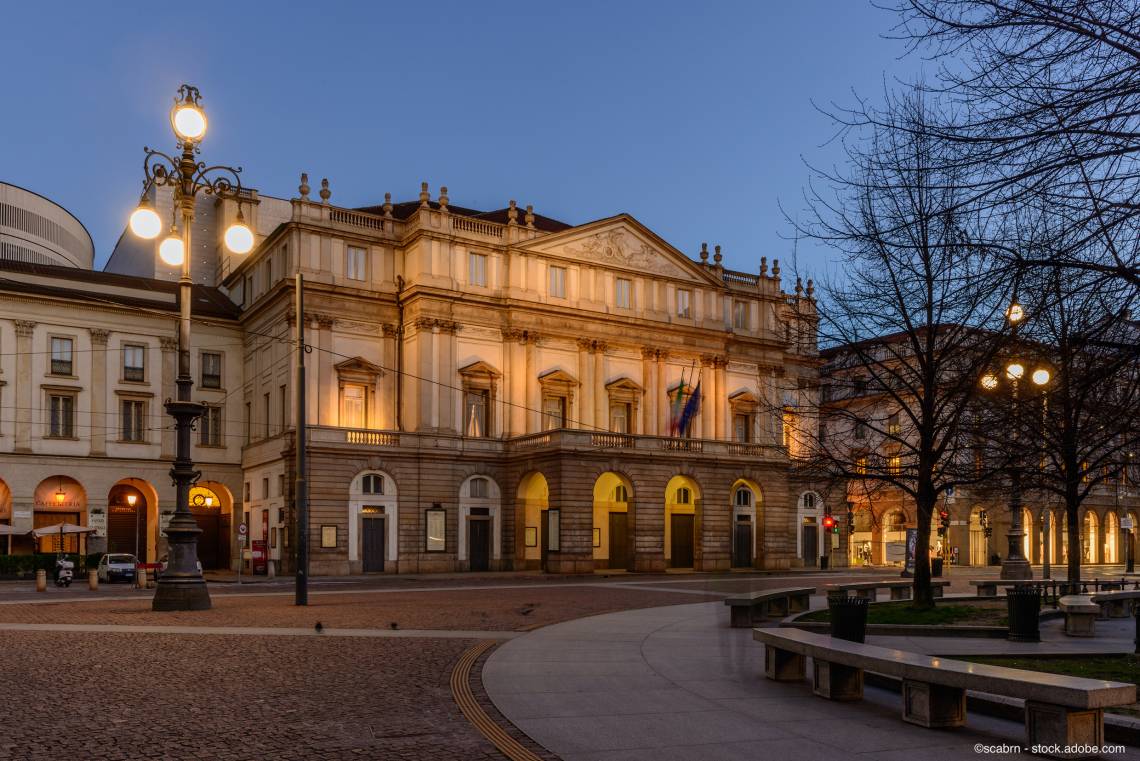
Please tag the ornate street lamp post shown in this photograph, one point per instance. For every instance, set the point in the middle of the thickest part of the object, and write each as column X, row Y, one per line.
column 1015, row 565
column 181, row 585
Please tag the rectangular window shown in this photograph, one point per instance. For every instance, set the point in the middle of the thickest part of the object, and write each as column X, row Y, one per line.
column 283, row 402
column 62, row 423
column 894, row 427
column 61, row 356
column 134, row 362
column 684, row 296
column 623, row 293
column 475, row 414
column 861, row 465
column 742, row 428
column 268, row 272
column 132, row 412
column 740, row 315
column 280, row 484
column 265, row 488
column 248, row 495
column 354, row 263
column 860, row 430
column 211, row 370
column 247, row 291
column 894, row 465
column 265, row 413
column 558, row 282
column 477, row 269
column 352, row 406
column 620, row 415
column 210, row 427
column 554, row 412
column 248, row 423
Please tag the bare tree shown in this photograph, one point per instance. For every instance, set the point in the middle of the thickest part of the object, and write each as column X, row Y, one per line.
column 1046, row 98
column 918, row 312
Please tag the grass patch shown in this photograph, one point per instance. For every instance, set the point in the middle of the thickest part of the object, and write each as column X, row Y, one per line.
column 942, row 614
column 1114, row 668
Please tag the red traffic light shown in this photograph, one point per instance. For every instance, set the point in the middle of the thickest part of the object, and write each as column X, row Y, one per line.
column 944, row 515
column 828, row 521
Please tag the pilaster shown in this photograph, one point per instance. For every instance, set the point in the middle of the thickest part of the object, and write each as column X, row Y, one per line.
column 24, row 332
column 100, row 421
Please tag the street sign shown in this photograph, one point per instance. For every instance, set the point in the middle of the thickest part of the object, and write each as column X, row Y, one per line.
column 242, row 529
column 1126, row 522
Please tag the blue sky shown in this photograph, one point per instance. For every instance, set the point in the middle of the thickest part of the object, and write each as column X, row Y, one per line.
column 694, row 117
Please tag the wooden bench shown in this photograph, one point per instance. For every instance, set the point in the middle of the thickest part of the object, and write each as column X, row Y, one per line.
column 752, row 607
column 1115, row 604
column 1059, row 710
column 900, row 590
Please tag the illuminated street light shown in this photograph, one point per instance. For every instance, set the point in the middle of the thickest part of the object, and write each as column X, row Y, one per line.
column 1014, row 371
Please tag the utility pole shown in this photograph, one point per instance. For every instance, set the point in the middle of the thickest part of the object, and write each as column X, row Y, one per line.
column 301, row 488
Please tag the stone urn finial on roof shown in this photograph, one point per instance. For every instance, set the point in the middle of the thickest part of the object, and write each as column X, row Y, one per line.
column 304, row 188
column 326, row 194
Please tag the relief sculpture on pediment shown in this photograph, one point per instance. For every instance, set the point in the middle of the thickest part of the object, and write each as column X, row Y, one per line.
column 617, row 248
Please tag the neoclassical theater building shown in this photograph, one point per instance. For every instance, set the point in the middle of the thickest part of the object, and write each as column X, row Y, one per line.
column 486, row 390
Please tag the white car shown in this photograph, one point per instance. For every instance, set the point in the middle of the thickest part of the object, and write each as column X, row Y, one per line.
column 116, row 566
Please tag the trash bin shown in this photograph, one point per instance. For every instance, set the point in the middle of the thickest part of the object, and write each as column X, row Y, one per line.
column 823, row 562
column 936, row 568
column 1024, row 605
column 848, row 618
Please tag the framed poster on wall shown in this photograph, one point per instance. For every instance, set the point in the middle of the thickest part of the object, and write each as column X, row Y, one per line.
column 435, row 529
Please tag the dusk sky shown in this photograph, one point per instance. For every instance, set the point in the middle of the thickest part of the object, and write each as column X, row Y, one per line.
column 696, row 118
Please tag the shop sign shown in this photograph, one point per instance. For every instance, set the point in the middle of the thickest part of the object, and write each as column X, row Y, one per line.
column 22, row 513
column 97, row 521
column 260, row 557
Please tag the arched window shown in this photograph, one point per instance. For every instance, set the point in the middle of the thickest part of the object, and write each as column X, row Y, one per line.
column 621, row 494
column 743, row 497
column 372, row 483
column 897, row 522
column 684, row 496
column 809, row 501
column 479, row 488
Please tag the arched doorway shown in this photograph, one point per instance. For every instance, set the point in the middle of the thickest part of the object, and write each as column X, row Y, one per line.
column 372, row 502
column 60, row 499
column 1063, row 530
column 979, row 542
column 1027, row 528
column 612, row 538
column 479, row 523
column 130, row 519
column 894, row 538
column 810, row 542
column 1047, row 537
column 5, row 519
column 1111, row 537
column 211, row 505
column 1089, row 539
column 682, row 498
column 540, row 529
column 745, row 523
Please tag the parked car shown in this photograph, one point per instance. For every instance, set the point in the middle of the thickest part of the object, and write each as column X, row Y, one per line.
column 116, row 567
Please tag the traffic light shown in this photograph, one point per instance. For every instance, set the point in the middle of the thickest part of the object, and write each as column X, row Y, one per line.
column 850, row 522
column 830, row 524
column 944, row 522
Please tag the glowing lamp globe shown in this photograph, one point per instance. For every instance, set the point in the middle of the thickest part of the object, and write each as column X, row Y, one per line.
column 1015, row 371
column 171, row 250
column 239, row 238
column 189, row 122
column 1041, row 377
column 132, row 499
column 145, row 222
column 1015, row 313
column 989, row 382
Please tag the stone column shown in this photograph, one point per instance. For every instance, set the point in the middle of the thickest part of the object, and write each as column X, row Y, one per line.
column 24, row 355
column 533, row 390
column 100, row 422
column 598, row 389
column 425, row 392
column 388, row 379
column 649, row 383
column 447, row 380
column 722, row 426
column 514, row 385
column 706, row 426
column 585, row 377
column 661, row 394
column 328, row 389
column 169, row 349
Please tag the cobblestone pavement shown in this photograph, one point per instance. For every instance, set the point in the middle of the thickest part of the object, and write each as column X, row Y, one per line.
column 126, row 696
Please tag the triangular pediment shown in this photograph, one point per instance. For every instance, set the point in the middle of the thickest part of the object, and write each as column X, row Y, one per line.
column 558, row 376
column 479, row 368
column 358, row 366
column 622, row 243
column 625, row 383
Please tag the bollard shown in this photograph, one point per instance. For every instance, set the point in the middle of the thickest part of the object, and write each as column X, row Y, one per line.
column 140, row 578
column 93, row 580
column 41, row 580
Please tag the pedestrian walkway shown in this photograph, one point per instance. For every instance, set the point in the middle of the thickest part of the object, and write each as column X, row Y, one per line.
column 677, row 683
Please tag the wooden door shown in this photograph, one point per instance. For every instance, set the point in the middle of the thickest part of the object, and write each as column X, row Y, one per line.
column 479, row 543
column 811, row 546
column 681, row 528
column 619, row 540
column 373, row 550
column 742, row 543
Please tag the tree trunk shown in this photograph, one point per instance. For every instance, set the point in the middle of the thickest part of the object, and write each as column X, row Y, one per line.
column 923, row 593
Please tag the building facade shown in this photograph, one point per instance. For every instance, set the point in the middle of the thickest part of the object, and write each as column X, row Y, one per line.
column 486, row 390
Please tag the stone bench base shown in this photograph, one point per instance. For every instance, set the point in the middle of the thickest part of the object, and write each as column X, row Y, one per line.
column 836, row 682
column 932, row 705
column 1047, row 724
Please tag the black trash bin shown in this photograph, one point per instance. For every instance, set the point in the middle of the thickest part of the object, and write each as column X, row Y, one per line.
column 848, row 618
column 936, row 568
column 1024, row 606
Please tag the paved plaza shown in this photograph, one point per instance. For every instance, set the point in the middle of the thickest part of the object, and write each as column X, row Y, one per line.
column 583, row 668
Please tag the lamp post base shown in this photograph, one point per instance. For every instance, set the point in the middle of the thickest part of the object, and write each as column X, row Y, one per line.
column 181, row 594
column 1016, row 568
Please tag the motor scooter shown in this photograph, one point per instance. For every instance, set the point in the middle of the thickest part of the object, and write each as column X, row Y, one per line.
column 64, row 570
